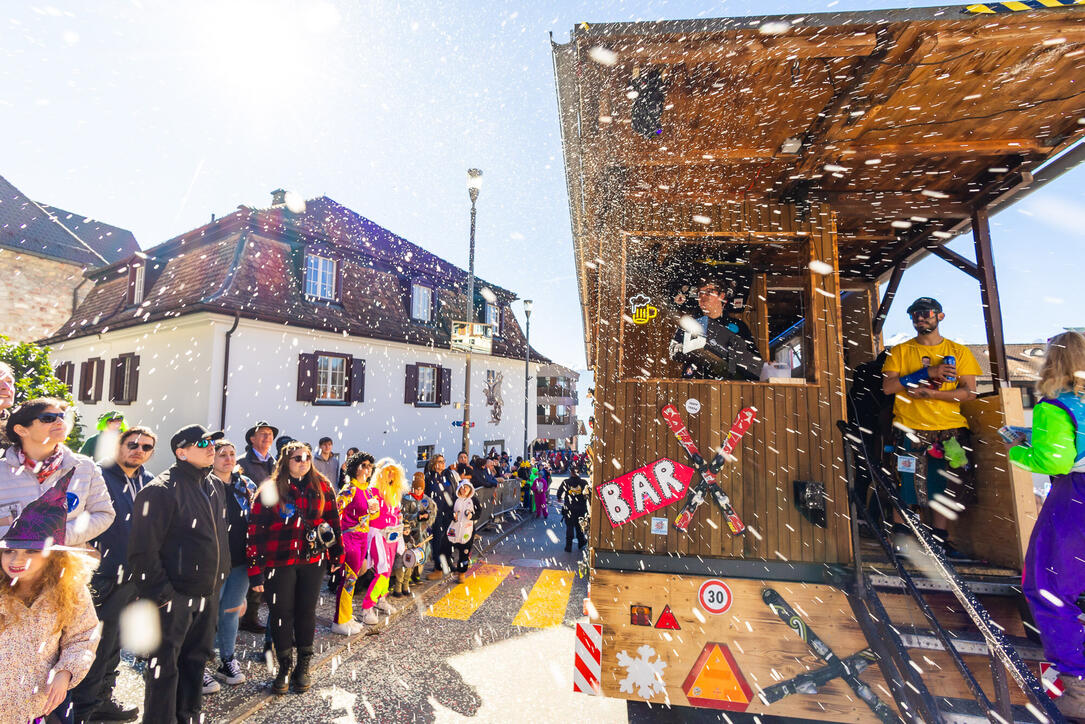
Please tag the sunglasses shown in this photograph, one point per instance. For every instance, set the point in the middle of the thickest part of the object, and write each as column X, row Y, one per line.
column 49, row 417
column 147, row 446
column 201, row 444
column 302, row 458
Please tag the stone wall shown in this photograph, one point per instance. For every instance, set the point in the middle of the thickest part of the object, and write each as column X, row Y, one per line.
column 36, row 294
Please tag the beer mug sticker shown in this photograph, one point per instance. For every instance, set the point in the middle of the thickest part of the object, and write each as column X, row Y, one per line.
column 714, row 596
column 640, row 306
column 693, row 405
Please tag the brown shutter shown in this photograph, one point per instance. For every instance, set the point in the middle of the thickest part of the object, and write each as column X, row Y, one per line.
column 99, row 378
column 306, row 377
column 116, row 379
column 132, row 388
column 357, row 380
column 446, row 385
column 84, row 380
column 130, row 294
column 410, row 385
column 337, row 293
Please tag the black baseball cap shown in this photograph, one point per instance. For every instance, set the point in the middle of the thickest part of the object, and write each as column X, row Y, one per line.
column 925, row 304
column 191, row 434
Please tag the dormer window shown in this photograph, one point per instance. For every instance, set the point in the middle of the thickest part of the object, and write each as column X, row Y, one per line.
column 137, row 283
column 320, row 272
column 421, row 302
column 492, row 316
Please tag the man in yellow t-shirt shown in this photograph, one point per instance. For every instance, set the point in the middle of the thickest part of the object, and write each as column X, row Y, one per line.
column 930, row 377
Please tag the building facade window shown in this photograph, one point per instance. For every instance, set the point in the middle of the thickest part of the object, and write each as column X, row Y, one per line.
column 91, row 377
column 427, row 384
column 421, row 303
column 425, row 452
column 320, row 277
column 65, row 372
column 332, row 379
column 137, row 283
column 124, row 379
column 492, row 316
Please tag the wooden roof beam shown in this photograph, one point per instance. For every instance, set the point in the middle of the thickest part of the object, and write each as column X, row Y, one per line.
column 786, row 47
column 1064, row 32
column 880, row 204
column 981, row 147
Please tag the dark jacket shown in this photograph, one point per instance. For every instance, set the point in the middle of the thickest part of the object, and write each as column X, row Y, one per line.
column 573, row 494
column 237, row 517
column 441, row 489
column 255, row 469
column 180, row 539
column 113, row 542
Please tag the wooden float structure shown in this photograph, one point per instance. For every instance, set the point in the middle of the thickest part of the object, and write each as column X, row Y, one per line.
column 823, row 154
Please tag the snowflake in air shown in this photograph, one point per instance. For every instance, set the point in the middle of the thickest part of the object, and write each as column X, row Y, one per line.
column 643, row 673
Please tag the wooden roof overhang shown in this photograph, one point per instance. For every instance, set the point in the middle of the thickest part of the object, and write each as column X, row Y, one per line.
column 908, row 121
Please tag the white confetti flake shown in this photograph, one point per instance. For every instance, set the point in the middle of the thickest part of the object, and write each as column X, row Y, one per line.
column 774, row 27
column 819, row 267
column 603, row 56
column 140, row 629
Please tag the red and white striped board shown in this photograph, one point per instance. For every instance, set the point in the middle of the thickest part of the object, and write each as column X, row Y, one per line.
column 1049, row 675
column 589, row 659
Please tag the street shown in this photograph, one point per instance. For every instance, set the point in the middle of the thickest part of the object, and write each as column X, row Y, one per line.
column 497, row 648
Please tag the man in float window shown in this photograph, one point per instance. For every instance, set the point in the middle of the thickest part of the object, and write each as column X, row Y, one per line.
column 717, row 345
column 930, row 377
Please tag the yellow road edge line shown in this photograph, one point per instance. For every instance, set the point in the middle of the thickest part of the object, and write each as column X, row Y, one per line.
column 465, row 598
column 545, row 605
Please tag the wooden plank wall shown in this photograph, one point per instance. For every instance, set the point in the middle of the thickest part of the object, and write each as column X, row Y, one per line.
column 795, row 439
column 765, row 649
column 859, row 308
column 997, row 527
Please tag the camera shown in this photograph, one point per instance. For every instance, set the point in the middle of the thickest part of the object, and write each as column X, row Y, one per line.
column 319, row 539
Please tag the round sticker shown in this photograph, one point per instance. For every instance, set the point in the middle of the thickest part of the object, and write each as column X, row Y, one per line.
column 693, row 405
column 73, row 502
column 715, row 596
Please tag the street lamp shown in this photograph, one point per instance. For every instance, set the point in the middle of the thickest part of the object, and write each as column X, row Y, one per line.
column 527, row 370
column 474, row 183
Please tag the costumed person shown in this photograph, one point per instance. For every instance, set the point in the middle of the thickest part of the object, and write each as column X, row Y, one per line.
column 717, row 345
column 357, row 505
column 461, row 533
column 540, row 487
column 385, row 536
column 573, row 494
column 417, row 511
column 46, row 611
column 1054, row 575
column 103, row 443
column 930, row 377
column 523, row 472
column 293, row 527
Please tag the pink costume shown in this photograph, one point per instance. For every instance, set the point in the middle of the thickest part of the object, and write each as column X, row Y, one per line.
column 353, row 504
column 539, row 488
column 384, row 542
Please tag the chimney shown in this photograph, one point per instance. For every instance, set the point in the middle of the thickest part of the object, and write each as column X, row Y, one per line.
column 278, row 198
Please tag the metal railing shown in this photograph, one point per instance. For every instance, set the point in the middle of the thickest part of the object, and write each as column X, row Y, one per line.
column 1002, row 656
column 495, row 502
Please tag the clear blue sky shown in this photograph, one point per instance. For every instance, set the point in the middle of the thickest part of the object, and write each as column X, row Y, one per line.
column 154, row 115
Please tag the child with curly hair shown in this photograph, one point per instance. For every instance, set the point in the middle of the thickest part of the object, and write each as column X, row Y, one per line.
column 46, row 612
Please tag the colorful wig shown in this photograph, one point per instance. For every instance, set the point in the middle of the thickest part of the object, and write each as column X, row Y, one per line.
column 390, row 481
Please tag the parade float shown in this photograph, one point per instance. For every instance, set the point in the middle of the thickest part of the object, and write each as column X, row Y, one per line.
column 804, row 162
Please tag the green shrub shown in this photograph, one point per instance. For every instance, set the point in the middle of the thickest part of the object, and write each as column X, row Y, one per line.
column 34, row 377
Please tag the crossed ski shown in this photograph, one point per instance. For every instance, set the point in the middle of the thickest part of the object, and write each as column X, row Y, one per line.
column 847, row 669
column 707, row 484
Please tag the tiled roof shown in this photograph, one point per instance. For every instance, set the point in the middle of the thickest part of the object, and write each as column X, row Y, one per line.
column 250, row 263
column 58, row 234
column 1024, row 360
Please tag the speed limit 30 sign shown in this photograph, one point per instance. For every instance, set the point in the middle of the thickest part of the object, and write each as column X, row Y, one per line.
column 715, row 596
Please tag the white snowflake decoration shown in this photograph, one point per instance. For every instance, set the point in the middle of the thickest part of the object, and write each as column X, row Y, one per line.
column 643, row 673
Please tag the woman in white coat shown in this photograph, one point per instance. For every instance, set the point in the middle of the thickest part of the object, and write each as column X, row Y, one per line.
column 38, row 458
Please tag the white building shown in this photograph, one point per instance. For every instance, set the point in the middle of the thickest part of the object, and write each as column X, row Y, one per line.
column 321, row 322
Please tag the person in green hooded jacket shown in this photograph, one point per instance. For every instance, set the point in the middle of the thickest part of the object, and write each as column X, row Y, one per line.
column 110, row 425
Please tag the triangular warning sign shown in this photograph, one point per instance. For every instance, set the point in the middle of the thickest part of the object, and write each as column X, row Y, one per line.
column 667, row 620
column 715, row 681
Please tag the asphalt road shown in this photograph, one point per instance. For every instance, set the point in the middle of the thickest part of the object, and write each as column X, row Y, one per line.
column 481, row 667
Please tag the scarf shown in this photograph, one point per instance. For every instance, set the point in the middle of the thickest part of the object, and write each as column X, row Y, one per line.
column 417, row 497
column 44, row 468
column 244, row 492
